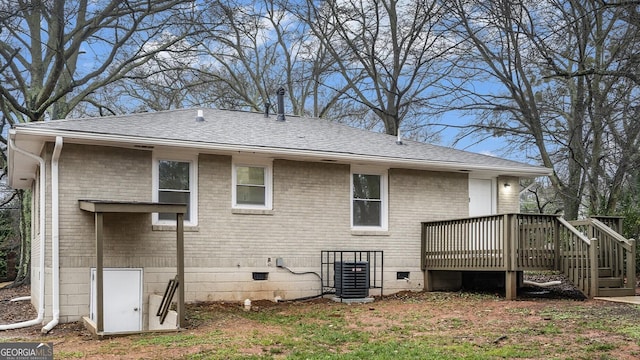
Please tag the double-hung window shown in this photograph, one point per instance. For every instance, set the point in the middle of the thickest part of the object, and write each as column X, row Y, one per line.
column 369, row 199
column 252, row 185
column 174, row 182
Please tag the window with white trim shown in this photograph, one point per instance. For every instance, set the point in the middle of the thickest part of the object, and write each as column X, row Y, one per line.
column 174, row 181
column 252, row 185
column 369, row 199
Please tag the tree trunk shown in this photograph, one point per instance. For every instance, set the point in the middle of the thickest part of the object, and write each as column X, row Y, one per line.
column 24, row 266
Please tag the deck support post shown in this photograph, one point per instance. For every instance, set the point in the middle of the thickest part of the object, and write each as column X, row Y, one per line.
column 556, row 246
column 428, row 280
column 511, row 285
column 593, row 268
column 631, row 265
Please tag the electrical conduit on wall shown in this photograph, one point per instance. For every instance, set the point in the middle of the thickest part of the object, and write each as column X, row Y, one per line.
column 55, row 237
column 42, row 204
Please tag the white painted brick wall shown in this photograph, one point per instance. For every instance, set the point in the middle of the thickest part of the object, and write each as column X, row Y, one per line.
column 311, row 213
column 508, row 196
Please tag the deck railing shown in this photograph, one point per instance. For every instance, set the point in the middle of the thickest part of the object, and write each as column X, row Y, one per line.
column 518, row 242
column 614, row 222
column 536, row 241
column 477, row 243
column 615, row 252
column 497, row 242
column 578, row 258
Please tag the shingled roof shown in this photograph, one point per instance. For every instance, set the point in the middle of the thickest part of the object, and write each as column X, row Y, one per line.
column 226, row 130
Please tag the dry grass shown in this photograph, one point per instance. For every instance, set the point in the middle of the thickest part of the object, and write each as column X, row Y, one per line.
column 404, row 326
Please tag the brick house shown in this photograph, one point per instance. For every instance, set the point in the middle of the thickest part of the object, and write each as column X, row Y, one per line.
column 265, row 197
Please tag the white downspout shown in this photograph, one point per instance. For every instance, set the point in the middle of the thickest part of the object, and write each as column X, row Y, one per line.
column 43, row 246
column 55, row 237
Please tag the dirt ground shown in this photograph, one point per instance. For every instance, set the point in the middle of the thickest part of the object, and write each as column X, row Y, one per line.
column 16, row 311
column 532, row 302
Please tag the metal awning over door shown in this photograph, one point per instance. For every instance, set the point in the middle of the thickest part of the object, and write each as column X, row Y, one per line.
column 99, row 208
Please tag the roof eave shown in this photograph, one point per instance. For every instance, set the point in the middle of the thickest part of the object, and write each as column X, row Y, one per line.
column 142, row 142
column 19, row 166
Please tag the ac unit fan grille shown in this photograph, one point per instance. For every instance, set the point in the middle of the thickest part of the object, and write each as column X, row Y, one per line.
column 351, row 279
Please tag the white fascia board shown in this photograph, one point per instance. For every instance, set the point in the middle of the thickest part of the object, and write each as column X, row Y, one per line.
column 286, row 153
column 21, row 168
column 10, row 163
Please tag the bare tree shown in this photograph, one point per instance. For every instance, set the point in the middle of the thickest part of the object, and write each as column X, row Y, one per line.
column 605, row 67
column 246, row 51
column 165, row 81
column 388, row 53
column 56, row 54
column 554, row 86
column 259, row 47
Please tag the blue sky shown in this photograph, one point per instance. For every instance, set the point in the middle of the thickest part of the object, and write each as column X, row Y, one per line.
column 493, row 146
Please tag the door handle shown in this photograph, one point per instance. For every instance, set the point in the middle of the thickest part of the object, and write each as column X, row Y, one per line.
column 135, row 309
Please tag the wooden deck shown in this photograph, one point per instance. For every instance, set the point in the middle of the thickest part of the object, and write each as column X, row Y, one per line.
column 596, row 258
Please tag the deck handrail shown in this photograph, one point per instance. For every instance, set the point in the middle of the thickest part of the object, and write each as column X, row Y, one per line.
column 536, row 241
column 616, row 253
column 627, row 244
column 583, row 250
column 614, row 222
column 512, row 242
column 507, row 242
column 579, row 258
column 574, row 230
column 477, row 243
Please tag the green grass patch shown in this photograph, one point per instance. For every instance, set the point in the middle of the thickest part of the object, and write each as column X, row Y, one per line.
column 633, row 332
column 429, row 326
column 69, row 355
column 181, row 340
column 599, row 347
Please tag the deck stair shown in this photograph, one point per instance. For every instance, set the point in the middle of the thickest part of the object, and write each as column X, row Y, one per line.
column 609, row 285
column 591, row 252
column 616, row 256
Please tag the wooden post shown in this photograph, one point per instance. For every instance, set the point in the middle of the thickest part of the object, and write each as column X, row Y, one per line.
column 423, row 246
column 631, row 265
column 428, row 285
column 593, row 265
column 506, row 243
column 557, row 247
column 428, row 280
column 180, row 266
column 514, row 239
column 511, row 285
column 99, row 217
column 511, row 278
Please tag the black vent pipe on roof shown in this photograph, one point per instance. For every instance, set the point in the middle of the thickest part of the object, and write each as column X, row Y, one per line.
column 266, row 109
column 281, row 104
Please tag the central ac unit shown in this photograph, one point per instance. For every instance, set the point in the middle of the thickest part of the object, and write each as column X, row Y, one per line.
column 351, row 279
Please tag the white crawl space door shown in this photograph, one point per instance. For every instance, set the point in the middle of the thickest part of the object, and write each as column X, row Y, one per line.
column 122, row 305
column 482, row 198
